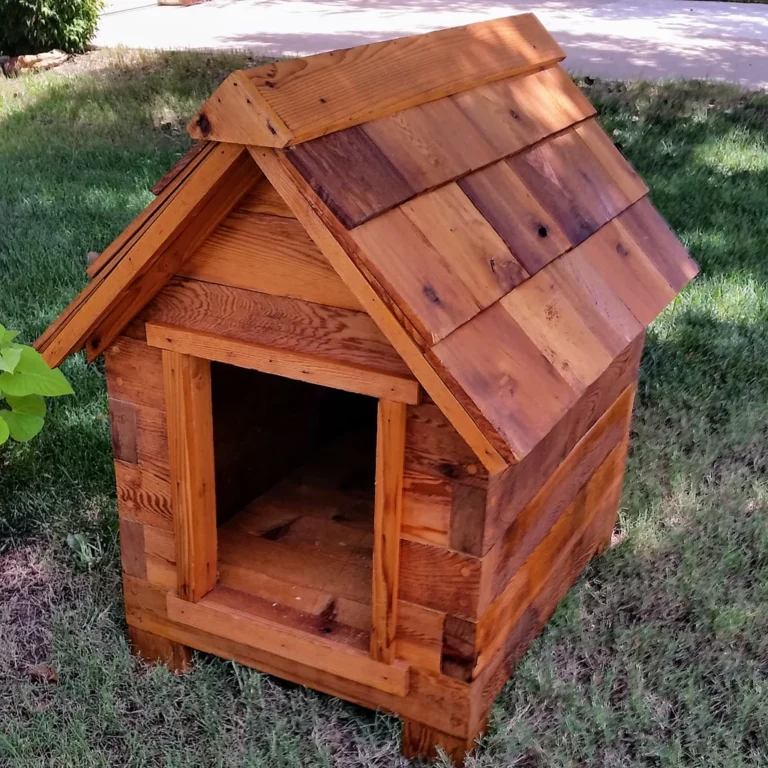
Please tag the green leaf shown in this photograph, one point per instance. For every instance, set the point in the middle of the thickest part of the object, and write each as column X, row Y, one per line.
column 6, row 336
column 32, row 376
column 5, row 432
column 9, row 358
column 31, row 405
column 21, row 426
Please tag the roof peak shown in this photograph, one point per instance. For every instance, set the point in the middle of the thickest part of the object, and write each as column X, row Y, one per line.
column 291, row 101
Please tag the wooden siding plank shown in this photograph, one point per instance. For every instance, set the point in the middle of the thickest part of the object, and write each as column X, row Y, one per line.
column 472, row 249
column 514, row 385
column 193, row 492
column 419, row 278
column 427, row 504
column 510, row 208
column 659, row 243
column 434, row 448
column 335, row 658
column 388, row 515
column 440, row 579
column 431, row 144
column 532, row 524
column 612, row 160
column 132, row 548
column 296, row 100
column 554, row 555
column 280, row 362
column 122, row 422
column 512, row 114
column 570, row 183
column 557, row 328
column 269, row 254
column 628, row 271
column 273, row 321
column 510, row 491
column 135, row 373
column 143, row 496
column 340, row 251
column 349, row 172
column 419, row 636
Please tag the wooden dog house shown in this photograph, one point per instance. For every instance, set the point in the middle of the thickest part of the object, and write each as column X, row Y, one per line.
column 371, row 357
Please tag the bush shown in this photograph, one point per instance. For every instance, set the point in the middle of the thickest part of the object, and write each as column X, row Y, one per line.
column 35, row 26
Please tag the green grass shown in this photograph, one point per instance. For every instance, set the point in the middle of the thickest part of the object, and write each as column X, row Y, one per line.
column 658, row 657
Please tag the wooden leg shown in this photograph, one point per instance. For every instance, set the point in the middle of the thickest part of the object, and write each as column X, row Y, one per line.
column 421, row 742
column 154, row 648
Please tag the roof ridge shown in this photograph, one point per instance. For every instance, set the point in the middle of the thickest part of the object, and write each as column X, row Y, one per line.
column 295, row 100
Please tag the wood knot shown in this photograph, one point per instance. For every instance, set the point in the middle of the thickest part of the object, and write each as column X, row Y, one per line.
column 542, row 231
column 203, row 123
column 430, row 293
column 621, row 250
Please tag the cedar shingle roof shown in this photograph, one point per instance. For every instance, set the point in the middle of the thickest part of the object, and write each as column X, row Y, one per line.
column 474, row 206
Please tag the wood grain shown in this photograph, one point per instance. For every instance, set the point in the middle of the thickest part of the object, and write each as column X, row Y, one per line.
column 419, row 636
column 340, row 251
column 295, row 100
column 514, row 386
column 470, row 247
column 514, row 113
column 193, row 491
column 143, row 496
column 292, row 365
column 132, row 548
column 570, row 182
column 430, row 144
column 273, row 321
column 541, row 514
column 269, row 254
column 439, row 579
column 388, row 515
column 209, row 615
column 420, row 742
column 122, row 423
column 513, row 211
column 648, row 229
column 612, row 160
column 351, row 175
column 416, row 275
column 510, row 491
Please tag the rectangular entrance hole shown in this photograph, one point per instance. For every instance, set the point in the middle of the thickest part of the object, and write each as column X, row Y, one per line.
column 295, row 475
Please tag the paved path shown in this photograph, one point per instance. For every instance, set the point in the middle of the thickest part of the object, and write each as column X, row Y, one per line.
column 609, row 38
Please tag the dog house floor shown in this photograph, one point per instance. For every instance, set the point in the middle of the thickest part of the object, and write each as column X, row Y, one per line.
column 300, row 554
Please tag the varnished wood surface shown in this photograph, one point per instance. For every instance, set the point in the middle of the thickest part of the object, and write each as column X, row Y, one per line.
column 295, row 100
column 388, row 516
column 274, row 321
column 270, row 254
column 292, row 365
column 193, row 487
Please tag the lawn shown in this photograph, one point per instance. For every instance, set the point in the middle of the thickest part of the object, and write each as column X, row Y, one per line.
column 659, row 655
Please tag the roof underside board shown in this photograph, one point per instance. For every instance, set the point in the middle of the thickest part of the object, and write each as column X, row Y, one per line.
column 294, row 100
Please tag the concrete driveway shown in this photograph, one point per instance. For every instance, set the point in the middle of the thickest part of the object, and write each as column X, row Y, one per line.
column 609, row 38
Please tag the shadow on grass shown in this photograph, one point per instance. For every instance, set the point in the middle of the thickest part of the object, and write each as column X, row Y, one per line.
column 656, row 654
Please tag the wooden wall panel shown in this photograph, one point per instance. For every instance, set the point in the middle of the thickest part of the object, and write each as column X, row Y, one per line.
column 511, row 490
column 269, row 254
column 539, row 516
column 143, row 496
column 274, row 321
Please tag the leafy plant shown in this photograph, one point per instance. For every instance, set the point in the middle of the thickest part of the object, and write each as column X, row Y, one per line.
column 25, row 378
column 34, row 26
